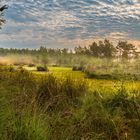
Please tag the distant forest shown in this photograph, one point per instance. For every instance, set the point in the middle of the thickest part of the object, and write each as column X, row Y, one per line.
column 102, row 49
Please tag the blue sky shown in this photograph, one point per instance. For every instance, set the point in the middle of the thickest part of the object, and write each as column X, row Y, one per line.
column 69, row 23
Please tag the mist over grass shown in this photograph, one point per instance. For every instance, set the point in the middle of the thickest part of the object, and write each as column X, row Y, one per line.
column 87, row 63
column 53, row 94
column 88, row 93
column 13, row 59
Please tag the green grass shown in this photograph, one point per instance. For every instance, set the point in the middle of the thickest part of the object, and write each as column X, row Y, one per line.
column 64, row 105
column 100, row 84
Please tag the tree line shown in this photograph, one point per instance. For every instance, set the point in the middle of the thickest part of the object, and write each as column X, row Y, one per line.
column 106, row 49
column 102, row 49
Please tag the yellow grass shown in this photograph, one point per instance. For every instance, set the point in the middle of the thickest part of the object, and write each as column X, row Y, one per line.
column 97, row 84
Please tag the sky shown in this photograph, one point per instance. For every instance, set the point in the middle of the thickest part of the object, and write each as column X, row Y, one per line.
column 69, row 23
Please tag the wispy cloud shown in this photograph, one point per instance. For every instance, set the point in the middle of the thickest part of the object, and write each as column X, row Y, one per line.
column 66, row 23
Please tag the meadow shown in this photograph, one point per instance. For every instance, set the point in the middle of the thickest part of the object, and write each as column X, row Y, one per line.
column 83, row 93
column 66, row 104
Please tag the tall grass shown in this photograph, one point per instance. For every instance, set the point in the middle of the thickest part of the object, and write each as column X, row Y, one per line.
column 49, row 108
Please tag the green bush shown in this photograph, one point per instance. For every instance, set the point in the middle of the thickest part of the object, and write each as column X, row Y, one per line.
column 42, row 68
column 31, row 65
column 77, row 68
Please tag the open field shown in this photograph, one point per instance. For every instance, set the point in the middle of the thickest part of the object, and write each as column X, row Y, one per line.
column 70, row 70
column 62, row 104
column 62, row 72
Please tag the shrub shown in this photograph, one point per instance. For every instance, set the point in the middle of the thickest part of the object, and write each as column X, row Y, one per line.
column 78, row 68
column 42, row 68
column 55, row 65
column 31, row 65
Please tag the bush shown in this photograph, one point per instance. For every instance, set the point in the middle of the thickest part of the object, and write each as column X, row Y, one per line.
column 55, row 65
column 31, row 65
column 78, row 68
column 42, row 68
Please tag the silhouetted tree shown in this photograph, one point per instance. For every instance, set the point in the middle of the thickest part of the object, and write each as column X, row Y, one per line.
column 78, row 50
column 64, row 51
column 94, row 49
column 103, row 49
column 108, row 50
column 126, row 49
column 2, row 8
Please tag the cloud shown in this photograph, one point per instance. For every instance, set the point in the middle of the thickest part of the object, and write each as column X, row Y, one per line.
column 116, row 36
column 69, row 23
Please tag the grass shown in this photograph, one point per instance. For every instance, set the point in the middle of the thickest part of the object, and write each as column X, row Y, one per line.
column 100, row 84
column 62, row 105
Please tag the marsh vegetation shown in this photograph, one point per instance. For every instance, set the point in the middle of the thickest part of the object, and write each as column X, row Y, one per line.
column 81, row 97
column 85, row 93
